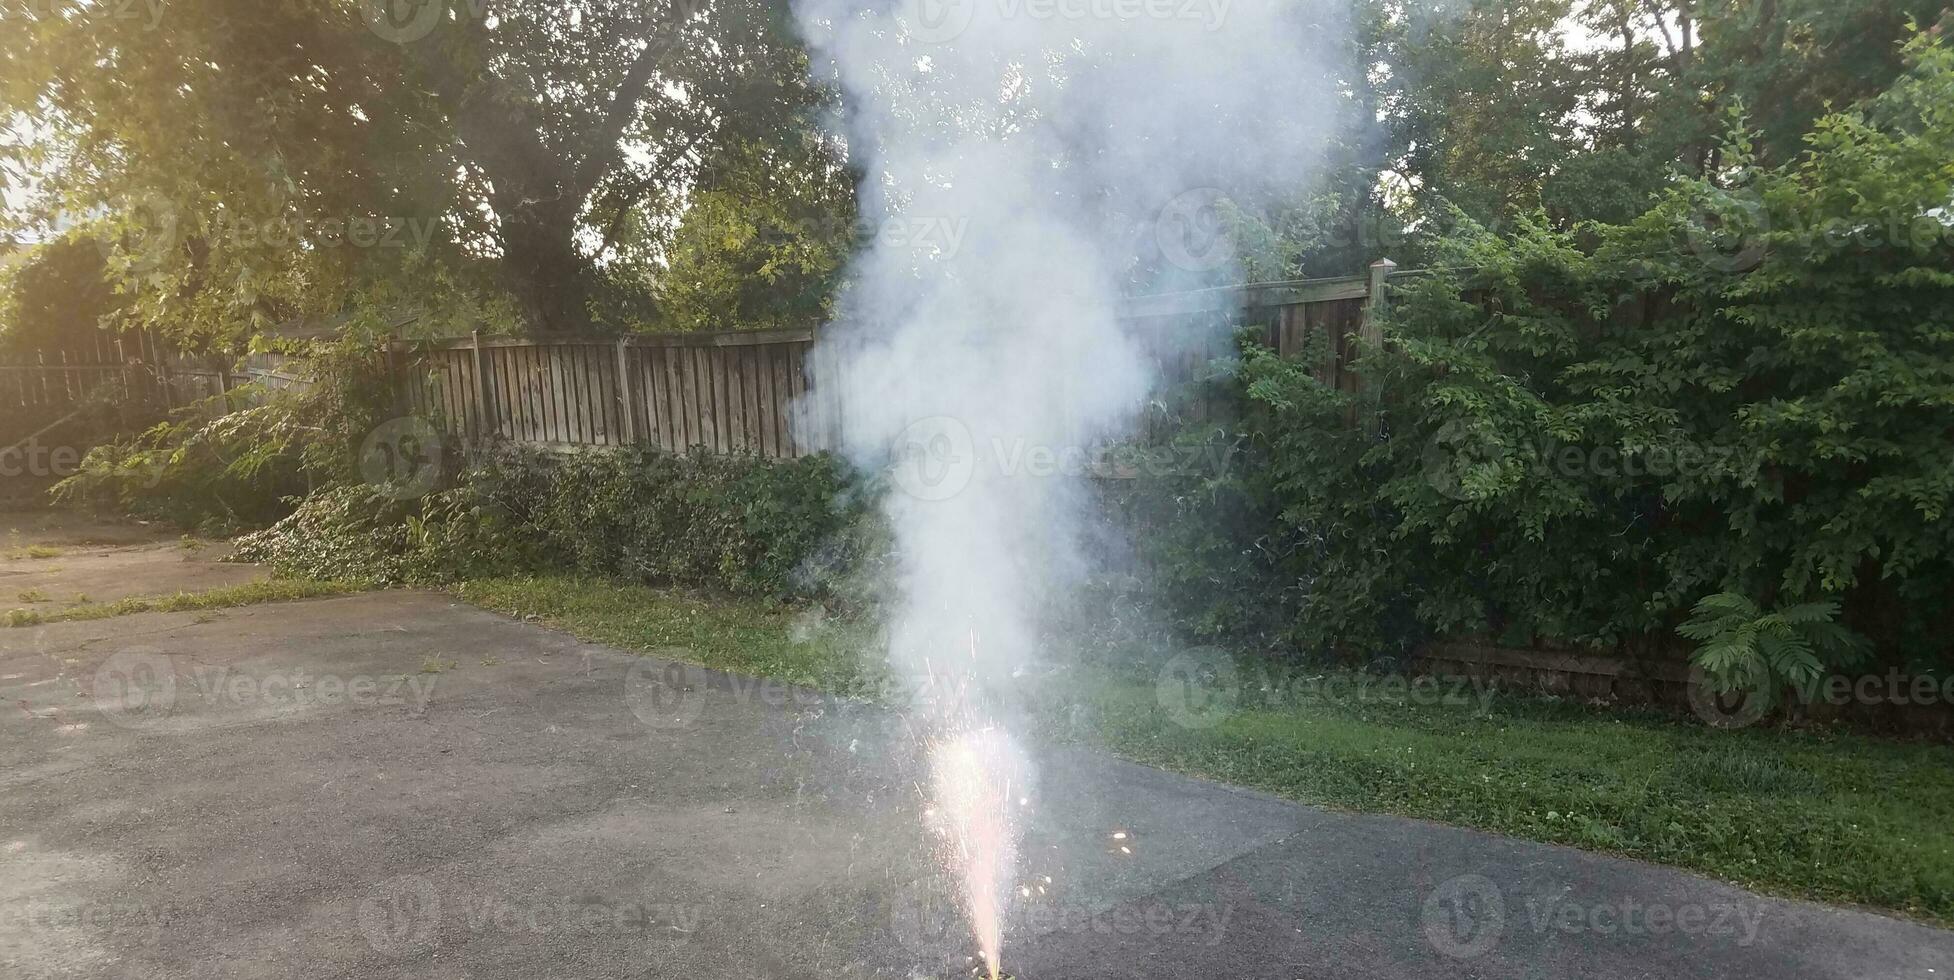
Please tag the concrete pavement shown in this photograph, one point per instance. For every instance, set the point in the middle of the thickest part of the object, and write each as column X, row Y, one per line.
column 397, row 785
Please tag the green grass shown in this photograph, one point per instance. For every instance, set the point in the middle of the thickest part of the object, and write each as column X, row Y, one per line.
column 788, row 643
column 1828, row 816
column 249, row 594
column 36, row 552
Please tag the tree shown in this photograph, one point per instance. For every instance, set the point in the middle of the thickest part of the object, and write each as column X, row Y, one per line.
column 234, row 152
column 568, row 117
column 1578, row 110
column 1790, row 62
column 1479, row 99
column 55, row 296
column 762, row 242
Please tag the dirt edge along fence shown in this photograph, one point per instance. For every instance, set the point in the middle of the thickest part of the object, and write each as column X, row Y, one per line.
column 761, row 393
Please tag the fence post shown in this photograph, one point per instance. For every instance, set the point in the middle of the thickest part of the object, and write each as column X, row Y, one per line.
column 1371, row 334
column 481, row 385
column 1374, row 307
column 624, row 392
column 164, row 375
column 396, row 385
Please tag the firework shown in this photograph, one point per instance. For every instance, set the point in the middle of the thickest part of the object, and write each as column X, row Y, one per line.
column 979, row 779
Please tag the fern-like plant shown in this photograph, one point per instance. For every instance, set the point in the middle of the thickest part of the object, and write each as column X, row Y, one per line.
column 1745, row 648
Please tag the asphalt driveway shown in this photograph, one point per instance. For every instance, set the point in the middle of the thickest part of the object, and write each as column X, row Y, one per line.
column 399, row 785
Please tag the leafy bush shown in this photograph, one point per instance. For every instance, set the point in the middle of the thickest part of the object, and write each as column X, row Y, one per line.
column 746, row 526
column 210, row 467
column 1746, row 390
column 359, row 533
column 734, row 524
column 1283, row 545
column 241, row 459
column 1744, row 648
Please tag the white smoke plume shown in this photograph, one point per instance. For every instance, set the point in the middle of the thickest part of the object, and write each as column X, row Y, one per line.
column 1011, row 149
column 1029, row 161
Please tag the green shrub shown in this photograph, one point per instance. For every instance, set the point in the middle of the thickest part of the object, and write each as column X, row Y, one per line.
column 734, row 524
column 739, row 524
column 243, row 458
column 1582, row 433
column 1745, row 648
column 217, row 467
column 348, row 532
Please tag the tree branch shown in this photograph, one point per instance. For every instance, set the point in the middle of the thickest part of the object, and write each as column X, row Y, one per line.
column 605, row 146
column 640, row 186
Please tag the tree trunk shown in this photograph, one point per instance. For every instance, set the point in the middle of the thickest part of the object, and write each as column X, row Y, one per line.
column 545, row 273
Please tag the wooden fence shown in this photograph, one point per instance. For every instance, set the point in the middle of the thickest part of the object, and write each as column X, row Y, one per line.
column 738, row 392
column 727, row 392
column 103, row 384
column 746, row 392
column 134, row 367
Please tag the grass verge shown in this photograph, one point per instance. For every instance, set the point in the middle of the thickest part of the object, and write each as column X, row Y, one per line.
column 793, row 644
column 1834, row 817
column 248, row 594
column 1828, row 816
